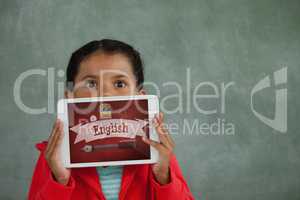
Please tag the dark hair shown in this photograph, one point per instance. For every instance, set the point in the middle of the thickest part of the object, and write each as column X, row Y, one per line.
column 106, row 46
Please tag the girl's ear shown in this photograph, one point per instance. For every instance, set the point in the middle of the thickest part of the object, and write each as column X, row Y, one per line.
column 142, row 92
column 68, row 94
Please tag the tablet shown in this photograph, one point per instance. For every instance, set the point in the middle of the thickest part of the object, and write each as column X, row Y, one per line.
column 106, row 131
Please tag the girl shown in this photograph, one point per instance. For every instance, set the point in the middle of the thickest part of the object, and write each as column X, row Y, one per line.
column 107, row 68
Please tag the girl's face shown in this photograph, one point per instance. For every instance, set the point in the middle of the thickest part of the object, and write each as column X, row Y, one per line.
column 103, row 74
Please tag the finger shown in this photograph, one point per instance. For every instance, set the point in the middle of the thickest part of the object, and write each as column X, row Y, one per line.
column 157, row 118
column 168, row 136
column 162, row 132
column 161, row 117
column 162, row 137
column 158, row 123
column 50, row 139
column 166, row 131
column 153, row 143
column 54, row 140
column 54, row 127
column 163, row 151
column 59, row 137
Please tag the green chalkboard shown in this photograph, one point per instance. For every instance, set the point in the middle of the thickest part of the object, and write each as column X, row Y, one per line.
column 227, row 73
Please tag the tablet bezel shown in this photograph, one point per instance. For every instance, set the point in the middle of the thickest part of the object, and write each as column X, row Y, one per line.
column 62, row 114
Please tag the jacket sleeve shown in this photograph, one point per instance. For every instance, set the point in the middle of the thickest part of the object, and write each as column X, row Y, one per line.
column 44, row 187
column 177, row 188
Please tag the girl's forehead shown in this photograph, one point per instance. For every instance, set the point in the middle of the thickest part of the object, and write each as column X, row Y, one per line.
column 105, row 64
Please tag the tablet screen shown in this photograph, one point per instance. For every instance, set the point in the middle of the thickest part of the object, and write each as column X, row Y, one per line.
column 108, row 130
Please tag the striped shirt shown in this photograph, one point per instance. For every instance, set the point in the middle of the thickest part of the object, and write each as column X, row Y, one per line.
column 110, row 179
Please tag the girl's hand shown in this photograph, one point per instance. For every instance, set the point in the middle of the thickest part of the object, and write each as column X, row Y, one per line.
column 164, row 148
column 52, row 154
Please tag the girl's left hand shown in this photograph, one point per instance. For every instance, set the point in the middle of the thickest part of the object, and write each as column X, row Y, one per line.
column 165, row 149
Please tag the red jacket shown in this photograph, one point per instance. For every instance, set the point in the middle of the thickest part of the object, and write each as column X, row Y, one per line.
column 138, row 183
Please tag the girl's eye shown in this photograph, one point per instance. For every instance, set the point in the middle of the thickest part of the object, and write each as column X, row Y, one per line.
column 91, row 83
column 120, row 84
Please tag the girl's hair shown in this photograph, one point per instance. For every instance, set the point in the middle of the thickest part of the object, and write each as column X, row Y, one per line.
column 106, row 46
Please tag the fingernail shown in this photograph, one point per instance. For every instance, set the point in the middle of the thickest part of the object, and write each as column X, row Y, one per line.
column 154, row 120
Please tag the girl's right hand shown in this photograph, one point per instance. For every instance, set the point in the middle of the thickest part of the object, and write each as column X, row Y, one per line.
column 52, row 154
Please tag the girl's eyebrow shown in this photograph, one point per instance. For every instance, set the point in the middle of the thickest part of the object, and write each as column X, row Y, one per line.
column 95, row 77
column 120, row 76
column 89, row 76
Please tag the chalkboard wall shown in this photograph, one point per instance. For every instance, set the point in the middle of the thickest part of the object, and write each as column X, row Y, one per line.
column 227, row 73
